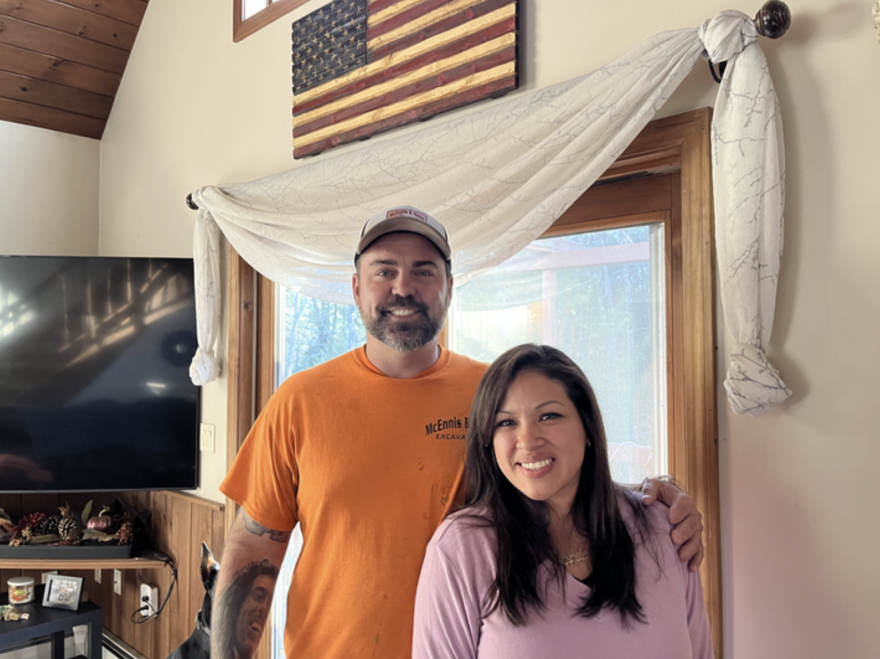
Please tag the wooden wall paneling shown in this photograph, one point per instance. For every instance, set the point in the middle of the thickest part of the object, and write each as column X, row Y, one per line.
column 50, row 118
column 53, row 95
column 127, row 11
column 144, row 633
column 26, row 35
column 11, row 503
column 160, row 517
column 72, row 20
column 47, row 503
column 62, row 72
column 130, row 602
column 178, row 608
column 202, row 531
column 138, row 635
column 101, row 593
column 218, row 533
column 162, row 540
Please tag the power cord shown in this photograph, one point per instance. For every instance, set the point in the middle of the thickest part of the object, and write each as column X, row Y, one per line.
column 139, row 617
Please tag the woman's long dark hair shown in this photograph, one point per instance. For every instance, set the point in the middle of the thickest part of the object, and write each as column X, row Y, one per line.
column 520, row 523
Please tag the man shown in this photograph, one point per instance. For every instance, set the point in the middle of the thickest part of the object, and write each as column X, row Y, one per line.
column 366, row 452
column 248, row 600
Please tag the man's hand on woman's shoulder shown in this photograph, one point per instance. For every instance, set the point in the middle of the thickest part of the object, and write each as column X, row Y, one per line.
column 686, row 520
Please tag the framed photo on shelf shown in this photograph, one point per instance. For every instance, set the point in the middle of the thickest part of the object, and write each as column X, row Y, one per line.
column 62, row 592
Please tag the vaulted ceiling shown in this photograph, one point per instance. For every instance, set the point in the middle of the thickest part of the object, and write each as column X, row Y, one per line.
column 61, row 61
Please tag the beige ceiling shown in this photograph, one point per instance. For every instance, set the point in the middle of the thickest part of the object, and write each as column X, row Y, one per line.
column 61, row 61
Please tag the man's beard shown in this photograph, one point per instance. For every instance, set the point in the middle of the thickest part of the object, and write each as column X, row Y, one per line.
column 403, row 336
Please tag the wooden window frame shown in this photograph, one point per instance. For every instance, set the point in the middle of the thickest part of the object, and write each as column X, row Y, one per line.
column 677, row 145
column 242, row 28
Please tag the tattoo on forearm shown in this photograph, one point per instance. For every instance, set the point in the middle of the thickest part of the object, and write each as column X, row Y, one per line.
column 258, row 529
column 242, row 611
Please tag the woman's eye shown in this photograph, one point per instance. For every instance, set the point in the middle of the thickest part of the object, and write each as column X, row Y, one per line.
column 549, row 415
column 504, row 423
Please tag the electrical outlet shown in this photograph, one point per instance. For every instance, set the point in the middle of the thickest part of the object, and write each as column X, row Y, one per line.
column 117, row 582
column 45, row 576
column 149, row 597
column 206, row 437
column 97, row 576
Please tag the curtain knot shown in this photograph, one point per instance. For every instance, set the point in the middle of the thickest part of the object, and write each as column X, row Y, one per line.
column 753, row 384
column 727, row 34
column 203, row 368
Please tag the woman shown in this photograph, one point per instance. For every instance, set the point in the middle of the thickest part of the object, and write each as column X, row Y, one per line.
column 549, row 558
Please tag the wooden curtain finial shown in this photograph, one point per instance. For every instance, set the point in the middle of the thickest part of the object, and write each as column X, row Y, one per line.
column 773, row 19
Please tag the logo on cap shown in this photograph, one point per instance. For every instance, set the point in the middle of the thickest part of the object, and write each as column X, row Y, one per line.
column 408, row 212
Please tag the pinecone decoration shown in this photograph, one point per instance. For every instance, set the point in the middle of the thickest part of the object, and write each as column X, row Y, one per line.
column 116, row 522
column 23, row 532
column 125, row 533
column 48, row 526
column 70, row 527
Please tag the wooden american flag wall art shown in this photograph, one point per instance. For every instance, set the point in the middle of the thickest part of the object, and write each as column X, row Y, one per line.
column 361, row 67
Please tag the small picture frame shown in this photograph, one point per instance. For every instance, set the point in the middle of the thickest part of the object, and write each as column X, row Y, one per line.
column 62, row 592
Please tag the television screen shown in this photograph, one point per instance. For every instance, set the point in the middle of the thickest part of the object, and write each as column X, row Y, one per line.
column 95, row 392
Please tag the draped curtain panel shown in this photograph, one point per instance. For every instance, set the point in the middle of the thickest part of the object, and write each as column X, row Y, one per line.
column 498, row 177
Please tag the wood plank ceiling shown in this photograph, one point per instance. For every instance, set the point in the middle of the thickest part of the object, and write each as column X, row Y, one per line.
column 61, row 61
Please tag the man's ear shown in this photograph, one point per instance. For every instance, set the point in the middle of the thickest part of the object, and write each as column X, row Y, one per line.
column 356, row 289
column 449, row 292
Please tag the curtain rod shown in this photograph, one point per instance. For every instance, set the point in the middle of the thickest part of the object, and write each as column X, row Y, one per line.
column 772, row 21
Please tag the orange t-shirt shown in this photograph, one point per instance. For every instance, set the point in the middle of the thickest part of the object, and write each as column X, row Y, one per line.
column 369, row 466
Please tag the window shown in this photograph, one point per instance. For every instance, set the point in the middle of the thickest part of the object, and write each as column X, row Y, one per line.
column 622, row 282
column 248, row 16
column 599, row 296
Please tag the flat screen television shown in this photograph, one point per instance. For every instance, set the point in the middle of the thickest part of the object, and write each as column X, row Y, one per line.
column 95, row 394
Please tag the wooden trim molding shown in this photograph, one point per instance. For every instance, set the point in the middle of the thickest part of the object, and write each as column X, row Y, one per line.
column 247, row 388
column 240, row 353
column 694, row 429
column 242, row 28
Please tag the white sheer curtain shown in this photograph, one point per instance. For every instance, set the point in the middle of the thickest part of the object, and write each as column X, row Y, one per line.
column 499, row 177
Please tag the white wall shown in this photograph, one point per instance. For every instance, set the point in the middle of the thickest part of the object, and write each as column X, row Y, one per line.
column 48, row 192
column 800, row 529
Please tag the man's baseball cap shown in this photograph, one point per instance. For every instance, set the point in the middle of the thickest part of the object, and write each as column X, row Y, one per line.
column 404, row 218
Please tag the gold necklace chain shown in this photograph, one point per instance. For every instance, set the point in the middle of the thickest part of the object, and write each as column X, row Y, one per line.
column 579, row 556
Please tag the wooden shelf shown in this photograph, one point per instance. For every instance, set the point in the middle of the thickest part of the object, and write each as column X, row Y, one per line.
column 81, row 564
